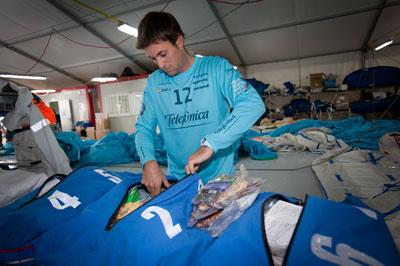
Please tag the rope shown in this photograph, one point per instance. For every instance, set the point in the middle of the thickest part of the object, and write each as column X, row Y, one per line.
column 112, row 18
column 44, row 51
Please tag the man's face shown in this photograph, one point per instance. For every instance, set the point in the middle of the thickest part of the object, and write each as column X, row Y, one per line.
column 167, row 56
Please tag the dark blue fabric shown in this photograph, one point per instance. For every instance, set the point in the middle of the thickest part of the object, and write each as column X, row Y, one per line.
column 139, row 239
column 21, row 256
column 371, row 106
column 83, row 124
column 18, row 203
column 331, row 233
column 243, row 242
column 134, row 240
column 353, row 200
column 139, row 247
column 297, row 106
column 259, row 86
column 321, row 106
column 49, row 246
column 290, row 86
column 373, row 77
column 20, row 225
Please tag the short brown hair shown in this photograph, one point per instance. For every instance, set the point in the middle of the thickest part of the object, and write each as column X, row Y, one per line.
column 158, row 26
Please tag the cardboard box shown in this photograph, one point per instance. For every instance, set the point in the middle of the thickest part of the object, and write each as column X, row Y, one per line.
column 315, row 90
column 342, row 102
column 316, row 80
column 102, row 121
column 90, row 133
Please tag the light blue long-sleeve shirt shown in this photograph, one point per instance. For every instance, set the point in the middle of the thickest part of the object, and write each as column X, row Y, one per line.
column 209, row 100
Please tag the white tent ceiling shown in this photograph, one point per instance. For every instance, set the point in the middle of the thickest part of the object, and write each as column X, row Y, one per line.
column 59, row 35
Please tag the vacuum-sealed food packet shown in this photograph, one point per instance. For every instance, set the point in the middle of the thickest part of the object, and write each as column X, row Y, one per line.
column 222, row 200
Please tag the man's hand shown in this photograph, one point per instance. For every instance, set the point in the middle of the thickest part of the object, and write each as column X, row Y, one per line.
column 153, row 178
column 197, row 158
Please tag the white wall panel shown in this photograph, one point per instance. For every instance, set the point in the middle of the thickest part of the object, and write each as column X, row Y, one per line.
column 123, row 123
column 134, row 90
column 78, row 102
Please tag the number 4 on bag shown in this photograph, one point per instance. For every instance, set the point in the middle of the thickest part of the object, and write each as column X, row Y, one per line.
column 61, row 200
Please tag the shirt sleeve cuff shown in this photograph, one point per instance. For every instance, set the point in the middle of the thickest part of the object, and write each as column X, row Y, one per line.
column 147, row 159
column 208, row 142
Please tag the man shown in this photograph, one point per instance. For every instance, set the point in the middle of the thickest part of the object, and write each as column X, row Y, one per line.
column 201, row 105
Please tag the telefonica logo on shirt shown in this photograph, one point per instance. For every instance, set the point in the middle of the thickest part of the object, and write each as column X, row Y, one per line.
column 160, row 90
column 183, row 119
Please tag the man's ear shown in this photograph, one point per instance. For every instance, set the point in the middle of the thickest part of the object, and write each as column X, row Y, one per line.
column 180, row 41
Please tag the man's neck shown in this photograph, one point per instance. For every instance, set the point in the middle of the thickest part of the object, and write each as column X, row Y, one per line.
column 188, row 60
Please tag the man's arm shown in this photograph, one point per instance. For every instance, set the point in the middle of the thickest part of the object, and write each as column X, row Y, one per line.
column 197, row 158
column 146, row 125
column 153, row 177
column 247, row 108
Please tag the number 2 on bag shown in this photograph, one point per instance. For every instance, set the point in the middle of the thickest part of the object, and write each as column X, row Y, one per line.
column 170, row 229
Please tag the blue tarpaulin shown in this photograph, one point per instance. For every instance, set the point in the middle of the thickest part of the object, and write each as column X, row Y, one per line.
column 119, row 148
column 355, row 131
column 113, row 148
column 373, row 77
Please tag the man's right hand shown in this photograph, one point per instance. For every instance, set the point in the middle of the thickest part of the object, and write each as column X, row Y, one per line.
column 153, row 178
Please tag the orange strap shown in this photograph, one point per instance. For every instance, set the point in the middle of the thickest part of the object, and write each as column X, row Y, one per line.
column 46, row 111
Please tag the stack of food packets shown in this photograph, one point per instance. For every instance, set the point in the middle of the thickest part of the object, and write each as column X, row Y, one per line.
column 222, row 200
column 133, row 201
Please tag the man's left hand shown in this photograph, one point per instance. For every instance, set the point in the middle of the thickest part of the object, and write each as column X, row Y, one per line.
column 197, row 158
